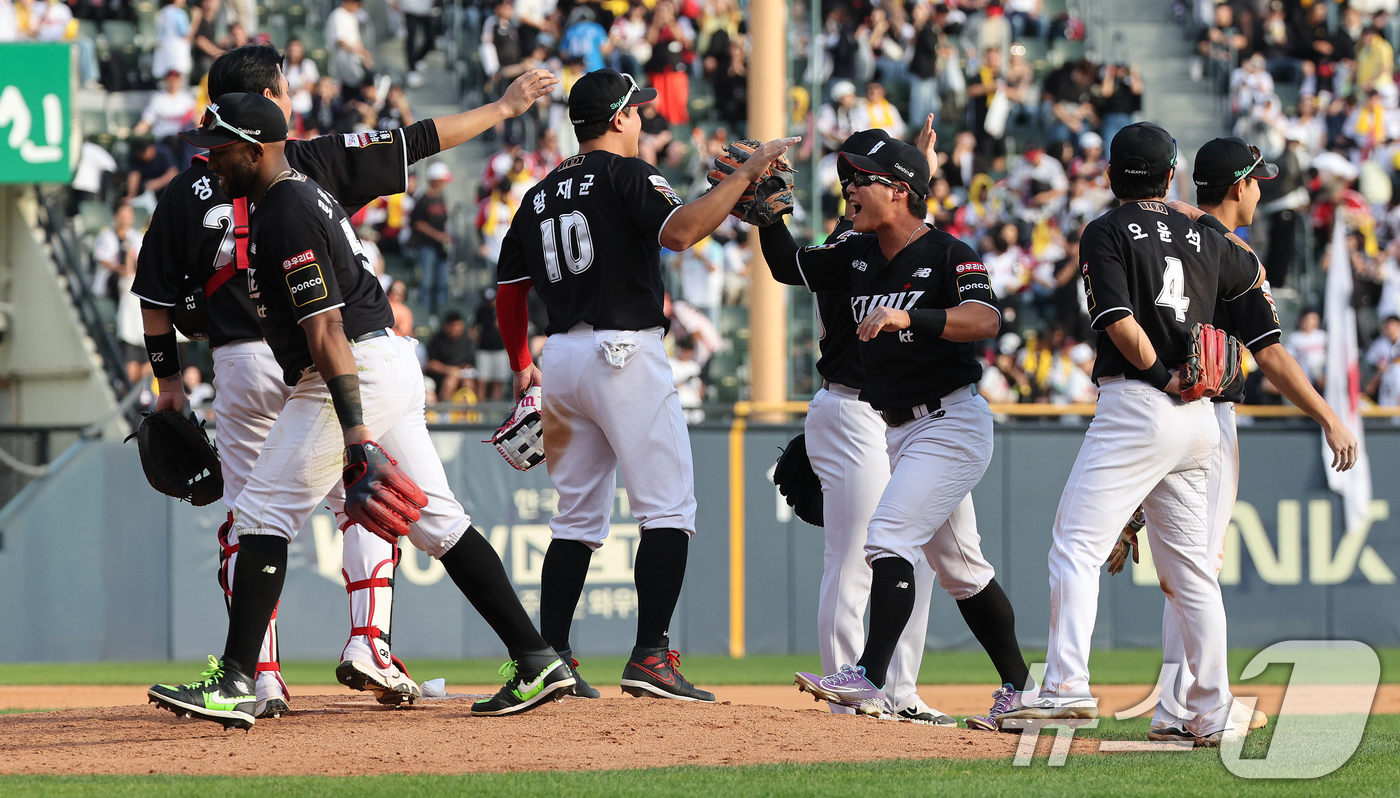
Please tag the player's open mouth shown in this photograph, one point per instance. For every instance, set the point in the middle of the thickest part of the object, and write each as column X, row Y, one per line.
column 855, row 209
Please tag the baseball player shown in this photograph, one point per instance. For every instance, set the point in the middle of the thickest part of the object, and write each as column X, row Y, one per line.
column 588, row 238
column 197, row 240
column 353, row 381
column 1227, row 172
column 845, row 444
column 1150, row 272
column 918, row 298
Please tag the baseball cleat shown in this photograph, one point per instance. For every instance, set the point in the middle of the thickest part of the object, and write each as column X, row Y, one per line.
column 581, row 689
column 1170, row 734
column 524, row 691
column 1004, row 700
column 921, row 713
column 1053, row 708
column 224, row 695
column 1214, row 739
column 656, row 673
column 360, row 670
column 1240, row 715
column 273, row 698
column 847, row 687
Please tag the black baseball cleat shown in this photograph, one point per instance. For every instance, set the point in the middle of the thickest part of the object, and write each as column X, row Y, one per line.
column 224, row 695
column 581, row 689
column 655, row 673
column 526, row 689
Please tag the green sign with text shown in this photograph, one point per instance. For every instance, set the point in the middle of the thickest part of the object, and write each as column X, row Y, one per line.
column 36, row 113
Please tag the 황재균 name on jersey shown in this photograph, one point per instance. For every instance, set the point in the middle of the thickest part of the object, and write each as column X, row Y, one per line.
column 307, row 285
column 862, row 305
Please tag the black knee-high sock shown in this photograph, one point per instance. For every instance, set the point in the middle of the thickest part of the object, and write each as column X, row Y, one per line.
column 891, row 604
column 258, row 577
column 481, row 577
column 561, row 583
column 659, row 572
column 993, row 622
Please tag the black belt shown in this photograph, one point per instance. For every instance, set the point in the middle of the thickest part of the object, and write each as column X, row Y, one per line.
column 369, row 336
column 904, row 415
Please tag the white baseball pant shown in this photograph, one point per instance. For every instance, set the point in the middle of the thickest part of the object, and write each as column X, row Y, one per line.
column 249, row 396
column 1143, row 447
column 301, row 459
column 608, row 400
column 1224, row 488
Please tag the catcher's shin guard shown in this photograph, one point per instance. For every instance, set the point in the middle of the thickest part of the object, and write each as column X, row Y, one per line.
column 269, row 659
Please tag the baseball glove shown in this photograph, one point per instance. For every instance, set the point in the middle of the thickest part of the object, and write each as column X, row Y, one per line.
column 178, row 458
column 772, row 198
column 378, row 496
column 735, row 154
column 520, row 440
column 798, row 482
column 1127, row 543
column 1212, row 363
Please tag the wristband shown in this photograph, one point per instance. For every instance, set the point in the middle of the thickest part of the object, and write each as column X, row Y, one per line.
column 1214, row 224
column 165, row 357
column 345, row 396
column 1157, row 375
column 929, row 321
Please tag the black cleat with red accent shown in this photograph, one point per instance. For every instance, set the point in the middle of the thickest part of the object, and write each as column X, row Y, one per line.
column 655, row 673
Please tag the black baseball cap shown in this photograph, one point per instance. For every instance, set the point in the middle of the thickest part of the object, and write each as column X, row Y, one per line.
column 239, row 116
column 859, row 143
column 1142, row 149
column 598, row 96
column 1225, row 162
column 894, row 159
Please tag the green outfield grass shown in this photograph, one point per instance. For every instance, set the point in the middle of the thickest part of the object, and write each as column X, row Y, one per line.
column 1124, row 666
column 1171, row 775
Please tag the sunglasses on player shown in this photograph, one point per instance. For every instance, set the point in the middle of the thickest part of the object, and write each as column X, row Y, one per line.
column 632, row 88
column 863, row 179
column 1258, row 159
column 212, row 121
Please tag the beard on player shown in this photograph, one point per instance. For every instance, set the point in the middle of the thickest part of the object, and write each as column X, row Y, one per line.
column 236, row 166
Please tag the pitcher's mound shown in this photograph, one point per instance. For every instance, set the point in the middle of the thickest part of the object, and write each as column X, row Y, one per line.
column 340, row 736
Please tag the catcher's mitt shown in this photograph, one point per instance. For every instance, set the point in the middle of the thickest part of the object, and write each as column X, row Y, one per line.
column 378, row 496
column 520, row 440
column 798, row 482
column 735, row 154
column 178, row 458
column 1212, row 363
column 1127, row 543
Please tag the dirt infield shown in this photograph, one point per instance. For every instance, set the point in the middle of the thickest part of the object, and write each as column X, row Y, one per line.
column 322, row 737
column 753, row 725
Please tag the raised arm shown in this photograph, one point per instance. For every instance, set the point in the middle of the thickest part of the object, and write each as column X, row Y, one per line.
column 518, row 97
column 695, row 220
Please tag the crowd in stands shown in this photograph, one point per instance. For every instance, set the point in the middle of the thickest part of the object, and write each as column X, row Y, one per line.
column 1313, row 85
column 1024, row 120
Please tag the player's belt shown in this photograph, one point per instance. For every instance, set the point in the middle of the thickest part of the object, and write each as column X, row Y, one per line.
column 904, row 415
column 841, row 390
column 370, row 336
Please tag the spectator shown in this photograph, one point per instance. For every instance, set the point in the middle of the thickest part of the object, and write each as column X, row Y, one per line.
column 671, row 39
column 500, row 41
column 702, row 270
column 203, row 47
column 330, row 113
column 200, row 393
column 430, row 239
column 1040, row 184
column 1070, row 91
column 836, row 120
column 152, row 168
column 302, row 76
column 451, row 359
column 924, row 96
column 1121, row 97
column 418, row 37
column 630, row 48
column 988, row 105
column 89, row 178
column 1308, row 346
column 173, row 34
column 396, row 112
column 403, row 314
column 731, row 86
column 535, row 18
column 1384, row 356
column 878, row 112
column 1025, row 18
column 493, row 221
column 686, row 376
column 500, row 163
column 53, row 22
column 1219, row 43
column 351, row 61
column 547, row 155
column 115, row 250
column 1275, row 41
column 168, row 112
column 492, row 364
column 584, row 38
column 1375, row 62
column 9, row 26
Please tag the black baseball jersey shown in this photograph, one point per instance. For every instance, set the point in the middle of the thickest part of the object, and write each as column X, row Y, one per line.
column 305, row 260
column 903, row 368
column 588, row 237
column 1145, row 260
column 191, row 234
column 1254, row 320
column 836, row 331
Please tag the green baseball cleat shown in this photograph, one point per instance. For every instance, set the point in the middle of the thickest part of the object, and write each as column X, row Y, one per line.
column 225, row 695
column 524, row 691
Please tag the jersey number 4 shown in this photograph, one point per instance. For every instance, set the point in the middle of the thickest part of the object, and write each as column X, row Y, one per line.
column 1173, row 293
column 574, row 242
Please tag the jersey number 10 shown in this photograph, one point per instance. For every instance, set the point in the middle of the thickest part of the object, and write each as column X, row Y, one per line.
column 1173, row 293
column 575, row 242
